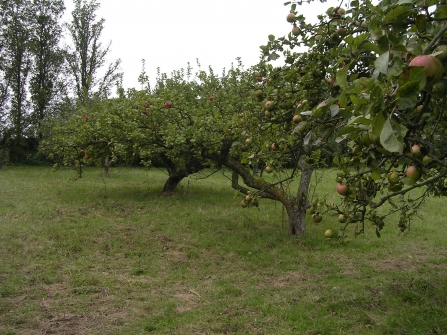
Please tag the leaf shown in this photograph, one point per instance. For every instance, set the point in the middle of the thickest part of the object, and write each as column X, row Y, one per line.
column 381, row 63
column 334, row 110
column 441, row 12
column 307, row 138
column 341, row 77
column 390, row 200
column 392, row 136
column 273, row 56
column 421, row 20
column 271, row 38
column 375, row 175
column 376, row 126
column 299, row 127
column 396, row 12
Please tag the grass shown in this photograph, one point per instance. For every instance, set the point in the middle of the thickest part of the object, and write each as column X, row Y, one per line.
column 111, row 256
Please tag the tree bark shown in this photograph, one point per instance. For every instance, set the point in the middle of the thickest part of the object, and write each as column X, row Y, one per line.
column 171, row 184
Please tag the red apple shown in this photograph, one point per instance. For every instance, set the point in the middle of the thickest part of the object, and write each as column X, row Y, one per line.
column 433, row 68
column 168, row 105
column 416, row 150
column 413, row 173
column 297, row 118
column 342, row 189
column 82, row 153
column 274, row 146
column 144, row 112
column 85, row 117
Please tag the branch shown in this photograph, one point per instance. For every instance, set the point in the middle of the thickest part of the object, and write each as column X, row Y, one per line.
column 435, row 39
column 427, row 182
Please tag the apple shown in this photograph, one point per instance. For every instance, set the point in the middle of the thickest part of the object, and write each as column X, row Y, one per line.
column 211, row 98
column 416, row 150
column 413, row 173
column 168, row 105
column 393, row 177
column 318, row 37
column 267, row 114
column 329, row 233
column 259, row 78
column 274, row 146
column 269, row 105
column 85, row 117
column 297, row 118
column 268, row 169
column 342, row 189
column 244, row 204
column 248, row 198
column 340, row 11
column 342, row 218
column 248, row 141
column 341, row 32
column 291, row 17
column 295, row 31
column 144, row 112
column 433, row 68
column 82, row 153
column 317, row 217
column 147, row 103
column 427, row 160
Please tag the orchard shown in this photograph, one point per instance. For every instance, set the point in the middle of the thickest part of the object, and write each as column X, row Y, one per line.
column 366, row 83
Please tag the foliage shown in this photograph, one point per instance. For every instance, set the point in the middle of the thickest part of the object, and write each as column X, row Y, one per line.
column 88, row 55
column 388, row 113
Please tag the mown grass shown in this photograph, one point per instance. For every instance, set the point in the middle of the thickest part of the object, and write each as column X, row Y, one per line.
column 111, row 256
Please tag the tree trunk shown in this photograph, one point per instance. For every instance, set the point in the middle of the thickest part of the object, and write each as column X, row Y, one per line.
column 297, row 213
column 171, row 184
column 295, row 206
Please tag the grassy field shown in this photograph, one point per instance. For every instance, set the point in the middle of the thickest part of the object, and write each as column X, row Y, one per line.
column 111, row 256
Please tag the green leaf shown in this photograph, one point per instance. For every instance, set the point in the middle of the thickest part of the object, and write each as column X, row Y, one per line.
column 381, row 63
column 375, row 175
column 392, row 136
column 396, row 12
column 341, row 77
column 441, row 12
column 375, row 129
column 271, row 38
column 421, row 20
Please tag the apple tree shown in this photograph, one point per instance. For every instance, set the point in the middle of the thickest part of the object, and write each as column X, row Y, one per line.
column 373, row 76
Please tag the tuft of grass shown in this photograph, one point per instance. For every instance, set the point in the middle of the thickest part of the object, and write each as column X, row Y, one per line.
column 112, row 256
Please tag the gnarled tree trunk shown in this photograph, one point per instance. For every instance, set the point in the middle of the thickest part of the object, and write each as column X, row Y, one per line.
column 295, row 206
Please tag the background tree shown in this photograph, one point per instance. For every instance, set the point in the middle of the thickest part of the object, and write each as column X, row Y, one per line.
column 17, row 62
column 46, row 79
column 87, row 56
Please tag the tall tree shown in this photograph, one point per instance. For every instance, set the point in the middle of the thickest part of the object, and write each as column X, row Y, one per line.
column 48, row 57
column 87, row 54
column 17, row 60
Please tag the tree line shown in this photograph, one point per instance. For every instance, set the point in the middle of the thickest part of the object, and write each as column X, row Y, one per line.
column 43, row 75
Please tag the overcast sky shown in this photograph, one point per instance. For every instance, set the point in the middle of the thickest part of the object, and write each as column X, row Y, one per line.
column 170, row 33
